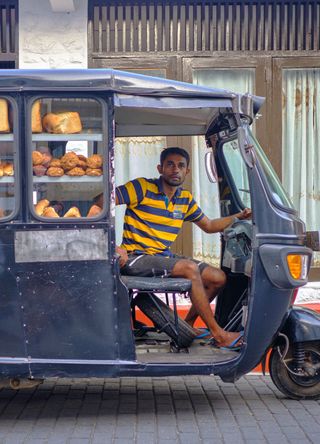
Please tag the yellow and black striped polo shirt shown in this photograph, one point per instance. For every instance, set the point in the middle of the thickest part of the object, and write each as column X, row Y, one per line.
column 151, row 221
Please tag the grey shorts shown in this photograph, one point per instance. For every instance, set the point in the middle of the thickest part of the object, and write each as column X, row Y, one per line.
column 146, row 265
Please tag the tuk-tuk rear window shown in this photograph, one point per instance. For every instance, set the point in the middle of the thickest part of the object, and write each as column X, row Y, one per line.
column 7, row 159
column 67, row 157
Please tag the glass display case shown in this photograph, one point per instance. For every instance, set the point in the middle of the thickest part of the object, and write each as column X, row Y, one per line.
column 67, row 157
column 7, row 159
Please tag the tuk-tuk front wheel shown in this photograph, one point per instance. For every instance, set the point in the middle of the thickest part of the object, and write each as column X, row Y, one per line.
column 296, row 372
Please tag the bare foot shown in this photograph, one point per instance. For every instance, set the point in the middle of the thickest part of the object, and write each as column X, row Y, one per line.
column 204, row 333
column 227, row 338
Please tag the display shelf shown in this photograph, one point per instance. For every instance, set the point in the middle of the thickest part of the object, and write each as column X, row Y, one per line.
column 6, row 179
column 6, row 137
column 84, row 136
column 67, row 179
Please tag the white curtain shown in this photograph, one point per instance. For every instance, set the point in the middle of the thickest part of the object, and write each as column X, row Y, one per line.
column 207, row 246
column 135, row 157
column 301, row 143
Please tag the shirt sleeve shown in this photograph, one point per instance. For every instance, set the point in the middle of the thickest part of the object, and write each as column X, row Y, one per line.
column 131, row 193
column 194, row 213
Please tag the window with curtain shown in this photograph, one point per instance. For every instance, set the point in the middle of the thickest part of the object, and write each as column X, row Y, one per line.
column 136, row 156
column 301, row 143
column 206, row 247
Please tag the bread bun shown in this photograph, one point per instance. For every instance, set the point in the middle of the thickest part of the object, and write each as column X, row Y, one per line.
column 4, row 117
column 55, row 163
column 73, row 212
column 77, row 171
column 69, row 161
column 2, row 212
column 39, row 170
column 94, row 211
column 82, row 164
column 8, row 169
column 41, row 205
column 36, row 125
column 50, row 212
column 46, row 159
column 95, row 161
column 62, row 123
column 1, row 171
column 55, row 172
column 37, row 158
column 93, row 172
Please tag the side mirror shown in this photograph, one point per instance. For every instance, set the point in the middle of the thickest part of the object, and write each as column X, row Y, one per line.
column 211, row 167
column 246, row 149
column 313, row 240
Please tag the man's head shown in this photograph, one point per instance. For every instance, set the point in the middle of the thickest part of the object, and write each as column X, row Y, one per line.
column 174, row 163
column 174, row 150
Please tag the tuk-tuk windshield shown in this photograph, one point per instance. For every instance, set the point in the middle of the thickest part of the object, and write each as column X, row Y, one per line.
column 278, row 193
column 238, row 172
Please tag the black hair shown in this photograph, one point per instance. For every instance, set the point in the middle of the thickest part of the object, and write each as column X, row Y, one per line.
column 174, row 150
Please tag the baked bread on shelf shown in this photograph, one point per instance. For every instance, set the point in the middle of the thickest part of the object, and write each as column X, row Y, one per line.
column 40, row 206
column 93, row 172
column 73, row 212
column 39, row 170
column 67, row 122
column 4, row 116
column 94, row 161
column 50, row 212
column 8, row 169
column 55, row 171
column 69, row 160
column 95, row 210
column 36, row 125
column 37, row 158
column 77, row 171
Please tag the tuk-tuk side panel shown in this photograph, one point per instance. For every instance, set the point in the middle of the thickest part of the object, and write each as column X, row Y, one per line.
column 124, row 327
column 12, row 340
column 69, row 310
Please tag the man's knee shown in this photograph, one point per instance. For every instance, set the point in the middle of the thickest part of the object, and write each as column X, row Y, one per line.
column 187, row 269
column 214, row 276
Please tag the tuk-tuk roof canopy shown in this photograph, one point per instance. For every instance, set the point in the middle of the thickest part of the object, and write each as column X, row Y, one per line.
column 144, row 105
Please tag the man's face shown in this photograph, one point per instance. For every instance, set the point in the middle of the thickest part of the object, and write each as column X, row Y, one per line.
column 174, row 170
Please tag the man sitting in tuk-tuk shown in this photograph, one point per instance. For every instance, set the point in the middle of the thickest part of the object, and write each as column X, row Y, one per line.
column 156, row 210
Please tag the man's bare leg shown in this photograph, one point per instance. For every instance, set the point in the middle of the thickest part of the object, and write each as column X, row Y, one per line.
column 213, row 280
column 189, row 270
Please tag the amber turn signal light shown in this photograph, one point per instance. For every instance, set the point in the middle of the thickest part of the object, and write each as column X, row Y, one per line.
column 298, row 265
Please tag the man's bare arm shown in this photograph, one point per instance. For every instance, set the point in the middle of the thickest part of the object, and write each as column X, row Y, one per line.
column 218, row 225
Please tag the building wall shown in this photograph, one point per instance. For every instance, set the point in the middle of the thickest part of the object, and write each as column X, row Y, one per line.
column 50, row 39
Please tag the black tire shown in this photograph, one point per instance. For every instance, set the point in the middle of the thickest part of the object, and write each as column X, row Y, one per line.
column 294, row 386
column 148, row 305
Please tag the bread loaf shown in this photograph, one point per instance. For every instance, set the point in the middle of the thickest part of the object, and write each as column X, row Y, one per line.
column 41, row 205
column 62, row 123
column 50, row 212
column 73, row 212
column 8, row 169
column 94, row 211
column 36, row 125
column 4, row 117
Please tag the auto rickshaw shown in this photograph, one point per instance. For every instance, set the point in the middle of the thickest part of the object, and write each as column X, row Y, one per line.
column 65, row 308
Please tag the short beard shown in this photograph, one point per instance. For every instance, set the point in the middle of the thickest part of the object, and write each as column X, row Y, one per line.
column 172, row 184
